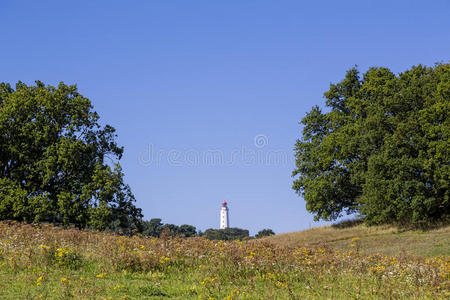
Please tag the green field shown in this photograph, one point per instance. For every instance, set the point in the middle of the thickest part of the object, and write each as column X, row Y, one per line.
column 46, row 262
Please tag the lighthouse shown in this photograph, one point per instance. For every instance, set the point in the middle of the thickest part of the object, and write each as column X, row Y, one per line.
column 224, row 223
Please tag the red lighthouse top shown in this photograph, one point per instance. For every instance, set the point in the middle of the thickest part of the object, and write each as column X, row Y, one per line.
column 224, row 203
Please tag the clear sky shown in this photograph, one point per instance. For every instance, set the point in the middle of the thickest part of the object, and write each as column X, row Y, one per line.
column 190, row 86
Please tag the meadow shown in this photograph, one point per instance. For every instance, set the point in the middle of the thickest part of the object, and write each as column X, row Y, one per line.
column 47, row 262
column 388, row 240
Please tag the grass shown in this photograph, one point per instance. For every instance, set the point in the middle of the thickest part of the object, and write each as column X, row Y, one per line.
column 45, row 262
column 387, row 240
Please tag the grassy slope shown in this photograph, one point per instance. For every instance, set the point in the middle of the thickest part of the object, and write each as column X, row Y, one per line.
column 46, row 262
column 377, row 239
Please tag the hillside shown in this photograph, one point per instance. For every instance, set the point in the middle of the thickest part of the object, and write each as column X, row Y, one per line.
column 377, row 239
column 47, row 262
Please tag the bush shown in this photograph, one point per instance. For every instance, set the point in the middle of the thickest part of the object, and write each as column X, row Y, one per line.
column 62, row 257
column 264, row 232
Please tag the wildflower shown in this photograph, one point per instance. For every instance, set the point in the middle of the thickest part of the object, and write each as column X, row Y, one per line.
column 163, row 259
column 100, row 275
column 377, row 269
column 60, row 252
column 280, row 284
column 207, row 281
column 64, row 279
column 38, row 281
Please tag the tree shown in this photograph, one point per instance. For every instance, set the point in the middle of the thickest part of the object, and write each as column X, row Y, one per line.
column 226, row 234
column 264, row 232
column 172, row 229
column 58, row 164
column 153, row 227
column 187, row 230
column 381, row 149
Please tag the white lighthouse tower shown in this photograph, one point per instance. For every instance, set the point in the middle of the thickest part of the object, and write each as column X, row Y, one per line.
column 224, row 223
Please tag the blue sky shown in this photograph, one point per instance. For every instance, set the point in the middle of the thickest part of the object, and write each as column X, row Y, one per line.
column 190, row 86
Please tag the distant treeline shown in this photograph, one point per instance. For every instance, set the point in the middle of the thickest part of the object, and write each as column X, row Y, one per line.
column 226, row 234
column 156, row 228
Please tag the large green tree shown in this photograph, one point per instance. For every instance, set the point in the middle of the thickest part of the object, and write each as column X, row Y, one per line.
column 57, row 163
column 380, row 147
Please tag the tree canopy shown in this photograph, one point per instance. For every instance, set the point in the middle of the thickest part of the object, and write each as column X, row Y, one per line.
column 155, row 228
column 57, row 163
column 264, row 232
column 380, row 147
column 227, row 234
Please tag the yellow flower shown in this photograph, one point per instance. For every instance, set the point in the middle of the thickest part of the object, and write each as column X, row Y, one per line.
column 280, row 284
column 64, row 279
column 100, row 275
column 163, row 259
column 60, row 252
column 38, row 281
column 377, row 269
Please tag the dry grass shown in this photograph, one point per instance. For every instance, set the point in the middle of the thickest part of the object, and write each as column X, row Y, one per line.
column 377, row 239
column 45, row 262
